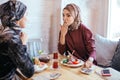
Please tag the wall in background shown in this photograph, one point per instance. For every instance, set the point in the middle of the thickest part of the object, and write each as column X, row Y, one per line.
column 43, row 23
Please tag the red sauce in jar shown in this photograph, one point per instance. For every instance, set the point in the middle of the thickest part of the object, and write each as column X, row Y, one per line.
column 55, row 64
column 55, row 55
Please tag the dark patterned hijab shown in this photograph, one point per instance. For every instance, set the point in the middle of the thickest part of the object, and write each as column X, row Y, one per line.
column 10, row 12
column 75, row 12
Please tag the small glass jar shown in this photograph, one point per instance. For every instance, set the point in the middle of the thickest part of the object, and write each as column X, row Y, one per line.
column 55, row 55
column 55, row 63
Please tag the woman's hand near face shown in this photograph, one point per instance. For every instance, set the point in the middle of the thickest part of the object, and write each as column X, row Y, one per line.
column 24, row 38
column 64, row 30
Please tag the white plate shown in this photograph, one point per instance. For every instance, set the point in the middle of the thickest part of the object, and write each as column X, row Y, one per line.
column 73, row 65
column 39, row 69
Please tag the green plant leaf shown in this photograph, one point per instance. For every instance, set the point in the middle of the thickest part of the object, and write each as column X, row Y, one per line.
column 40, row 51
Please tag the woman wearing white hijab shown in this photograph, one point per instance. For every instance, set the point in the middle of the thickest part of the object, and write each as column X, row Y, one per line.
column 75, row 37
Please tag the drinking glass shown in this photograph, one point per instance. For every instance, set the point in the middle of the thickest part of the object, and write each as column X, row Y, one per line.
column 55, row 61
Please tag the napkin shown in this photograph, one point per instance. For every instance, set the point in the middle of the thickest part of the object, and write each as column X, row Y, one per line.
column 87, row 70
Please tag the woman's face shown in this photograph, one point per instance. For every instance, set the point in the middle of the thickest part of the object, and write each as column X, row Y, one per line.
column 22, row 21
column 67, row 17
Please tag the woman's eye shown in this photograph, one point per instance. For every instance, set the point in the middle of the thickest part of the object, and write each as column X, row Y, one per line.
column 68, row 15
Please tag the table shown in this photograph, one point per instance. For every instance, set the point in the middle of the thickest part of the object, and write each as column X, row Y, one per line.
column 68, row 73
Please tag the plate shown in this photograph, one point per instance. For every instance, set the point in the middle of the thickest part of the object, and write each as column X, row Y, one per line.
column 73, row 65
column 39, row 69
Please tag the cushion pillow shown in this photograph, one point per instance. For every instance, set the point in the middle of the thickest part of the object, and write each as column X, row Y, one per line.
column 105, row 49
column 116, row 58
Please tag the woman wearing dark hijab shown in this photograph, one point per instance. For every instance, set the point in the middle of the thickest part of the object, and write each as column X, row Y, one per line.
column 13, row 51
column 75, row 37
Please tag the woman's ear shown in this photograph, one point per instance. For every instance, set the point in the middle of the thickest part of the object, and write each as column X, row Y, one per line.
column 17, row 22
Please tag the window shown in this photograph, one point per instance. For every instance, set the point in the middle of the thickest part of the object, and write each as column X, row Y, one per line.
column 114, row 19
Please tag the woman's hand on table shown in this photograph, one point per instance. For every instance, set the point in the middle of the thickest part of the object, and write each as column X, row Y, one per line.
column 89, row 63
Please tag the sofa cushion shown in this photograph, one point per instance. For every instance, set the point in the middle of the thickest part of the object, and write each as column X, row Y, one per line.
column 105, row 49
column 116, row 58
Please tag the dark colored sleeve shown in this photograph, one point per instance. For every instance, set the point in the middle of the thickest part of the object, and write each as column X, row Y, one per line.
column 20, row 57
column 89, row 43
column 61, row 48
